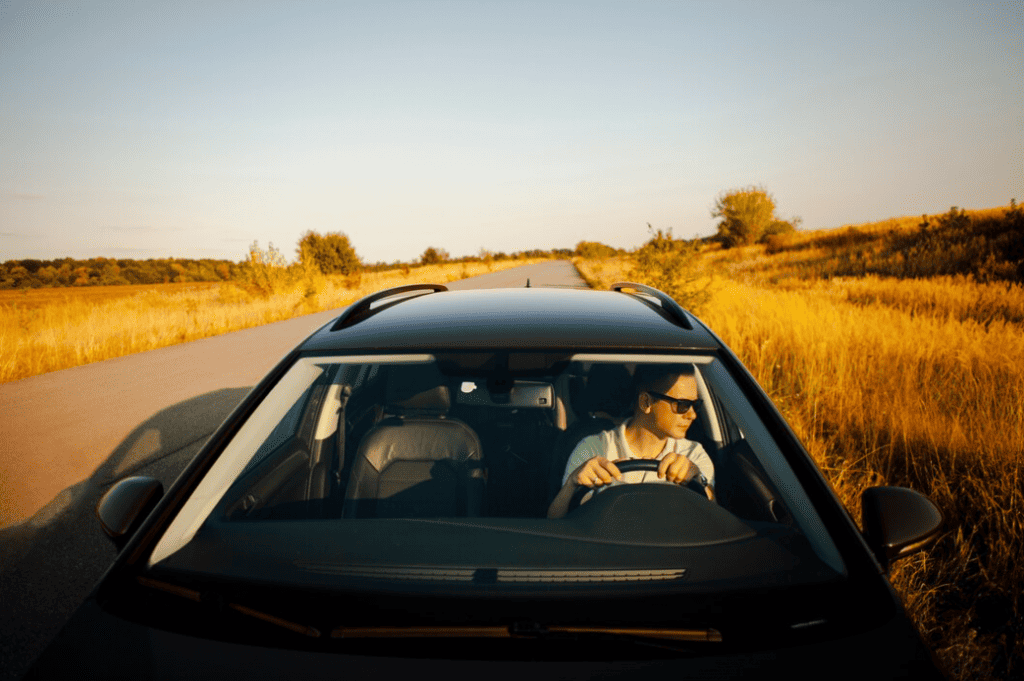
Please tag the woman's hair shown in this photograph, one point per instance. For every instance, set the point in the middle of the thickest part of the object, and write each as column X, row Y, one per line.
column 659, row 377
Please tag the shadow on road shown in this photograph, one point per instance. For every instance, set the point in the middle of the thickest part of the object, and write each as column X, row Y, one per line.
column 50, row 562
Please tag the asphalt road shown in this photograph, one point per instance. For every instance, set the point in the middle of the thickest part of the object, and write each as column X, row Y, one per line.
column 66, row 437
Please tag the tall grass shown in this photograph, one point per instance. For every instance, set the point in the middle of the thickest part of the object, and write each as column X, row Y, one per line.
column 892, row 383
column 955, row 297
column 70, row 331
column 883, row 397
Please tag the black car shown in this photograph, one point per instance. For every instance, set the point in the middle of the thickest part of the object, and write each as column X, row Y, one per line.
column 386, row 501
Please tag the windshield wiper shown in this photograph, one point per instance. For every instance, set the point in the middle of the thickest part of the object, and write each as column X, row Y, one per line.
column 533, row 630
column 707, row 635
column 198, row 597
column 675, row 640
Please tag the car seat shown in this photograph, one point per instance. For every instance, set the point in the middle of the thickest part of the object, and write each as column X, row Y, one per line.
column 602, row 404
column 417, row 462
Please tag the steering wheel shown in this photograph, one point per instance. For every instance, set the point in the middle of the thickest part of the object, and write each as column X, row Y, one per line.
column 625, row 467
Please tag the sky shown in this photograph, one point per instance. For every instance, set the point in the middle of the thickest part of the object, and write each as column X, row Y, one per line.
column 191, row 129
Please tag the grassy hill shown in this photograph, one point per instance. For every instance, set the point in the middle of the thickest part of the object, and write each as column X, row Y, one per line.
column 985, row 245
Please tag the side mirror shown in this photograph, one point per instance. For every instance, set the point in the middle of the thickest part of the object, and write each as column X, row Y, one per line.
column 898, row 522
column 125, row 505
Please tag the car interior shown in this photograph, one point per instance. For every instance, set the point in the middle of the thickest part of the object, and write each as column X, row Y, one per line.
column 468, row 435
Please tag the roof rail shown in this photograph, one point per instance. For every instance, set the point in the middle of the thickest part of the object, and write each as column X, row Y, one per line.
column 674, row 309
column 362, row 306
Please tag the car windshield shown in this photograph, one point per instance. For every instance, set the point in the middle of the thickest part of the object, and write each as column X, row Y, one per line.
column 445, row 469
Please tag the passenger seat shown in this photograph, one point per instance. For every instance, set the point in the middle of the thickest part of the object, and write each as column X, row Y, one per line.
column 417, row 462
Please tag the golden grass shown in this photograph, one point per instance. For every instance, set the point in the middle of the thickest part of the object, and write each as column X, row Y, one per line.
column 936, row 404
column 43, row 297
column 50, row 329
column 913, row 383
column 992, row 304
column 972, row 243
column 844, row 234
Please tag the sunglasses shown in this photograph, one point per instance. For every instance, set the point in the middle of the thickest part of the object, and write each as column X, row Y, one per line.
column 679, row 406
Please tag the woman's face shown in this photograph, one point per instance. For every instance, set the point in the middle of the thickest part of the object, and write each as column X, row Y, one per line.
column 665, row 422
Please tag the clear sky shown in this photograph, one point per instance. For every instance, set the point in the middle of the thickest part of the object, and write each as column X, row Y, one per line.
column 149, row 129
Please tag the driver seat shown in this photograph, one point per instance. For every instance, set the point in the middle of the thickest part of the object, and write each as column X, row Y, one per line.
column 601, row 405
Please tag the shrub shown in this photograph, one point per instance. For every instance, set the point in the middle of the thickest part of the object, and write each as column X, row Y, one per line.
column 331, row 253
column 594, row 249
column 265, row 273
column 433, row 256
column 670, row 265
column 747, row 215
column 779, row 227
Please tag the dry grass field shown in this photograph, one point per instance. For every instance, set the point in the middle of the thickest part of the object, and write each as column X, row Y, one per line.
column 43, row 330
column 913, row 382
column 34, row 298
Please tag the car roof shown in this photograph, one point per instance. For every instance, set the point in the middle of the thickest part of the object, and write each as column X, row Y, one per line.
column 513, row 319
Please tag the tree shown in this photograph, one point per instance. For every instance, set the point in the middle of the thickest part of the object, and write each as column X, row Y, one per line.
column 331, row 253
column 433, row 256
column 32, row 265
column 111, row 275
column 748, row 215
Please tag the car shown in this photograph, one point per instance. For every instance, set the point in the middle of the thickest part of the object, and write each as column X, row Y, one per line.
column 384, row 502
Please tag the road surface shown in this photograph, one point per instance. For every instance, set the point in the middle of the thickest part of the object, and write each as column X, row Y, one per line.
column 65, row 437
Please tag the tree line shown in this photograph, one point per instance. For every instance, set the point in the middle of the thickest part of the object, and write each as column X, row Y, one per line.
column 31, row 273
column 329, row 253
column 747, row 215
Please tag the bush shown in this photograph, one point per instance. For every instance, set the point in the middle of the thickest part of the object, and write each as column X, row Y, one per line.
column 434, row 256
column 779, row 227
column 748, row 215
column 670, row 265
column 594, row 249
column 331, row 253
column 265, row 273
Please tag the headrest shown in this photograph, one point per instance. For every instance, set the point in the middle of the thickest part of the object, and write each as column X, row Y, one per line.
column 417, row 388
column 609, row 389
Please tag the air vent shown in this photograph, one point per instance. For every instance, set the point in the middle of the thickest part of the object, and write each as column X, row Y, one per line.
column 495, row 575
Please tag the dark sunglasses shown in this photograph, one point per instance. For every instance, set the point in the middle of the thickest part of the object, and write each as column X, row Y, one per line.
column 679, row 406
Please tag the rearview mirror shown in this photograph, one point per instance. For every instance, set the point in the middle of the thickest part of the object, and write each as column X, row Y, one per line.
column 126, row 504
column 517, row 394
column 898, row 522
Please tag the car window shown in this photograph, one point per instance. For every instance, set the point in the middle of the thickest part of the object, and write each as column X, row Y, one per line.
column 786, row 498
column 285, row 430
column 347, row 455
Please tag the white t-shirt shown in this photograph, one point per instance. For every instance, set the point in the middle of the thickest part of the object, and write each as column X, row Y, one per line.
column 612, row 445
